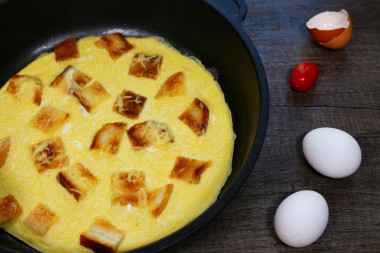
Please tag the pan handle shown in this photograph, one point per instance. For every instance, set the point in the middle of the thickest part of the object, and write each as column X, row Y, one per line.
column 235, row 10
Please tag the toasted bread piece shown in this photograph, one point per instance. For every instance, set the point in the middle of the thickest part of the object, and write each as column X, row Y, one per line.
column 149, row 134
column 115, row 44
column 70, row 78
column 103, row 237
column 77, row 180
column 128, row 188
column 91, row 95
column 146, row 66
column 159, row 198
column 173, row 86
column 196, row 117
column 49, row 154
column 108, row 138
column 74, row 82
column 5, row 144
column 9, row 208
column 133, row 180
column 188, row 169
column 27, row 88
column 49, row 119
column 40, row 219
column 129, row 104
column 66, row 50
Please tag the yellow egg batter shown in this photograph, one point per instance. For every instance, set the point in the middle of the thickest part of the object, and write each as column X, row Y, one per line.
column 20, row 177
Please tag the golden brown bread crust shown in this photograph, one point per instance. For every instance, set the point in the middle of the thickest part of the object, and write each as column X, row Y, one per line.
column 48, row 119
column 91, row 95
column 66, row 50
column 94, row 244
column 173, row 86
column 81, row 78
column 61, row 79
column 69, row 185
column 67, row 83
column 74, row 82
column 129, row 104
column 103, row 237
column 16, row 82
column 108, row 138
column 40, row 219
column 77, row 180
column 129, row 181
column 159, row 198
column 9, row 208
column 115, row 44
column 128, row 188
column 49, row 154
column 149, row 134
column 188, row 169
column 5, row 144
column 146, row 66
column 85, row 173
column 196, row 117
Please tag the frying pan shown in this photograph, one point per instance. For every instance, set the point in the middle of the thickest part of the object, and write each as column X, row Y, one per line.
column 210, row 30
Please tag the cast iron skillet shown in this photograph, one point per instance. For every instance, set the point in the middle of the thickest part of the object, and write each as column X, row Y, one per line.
column 210, row 30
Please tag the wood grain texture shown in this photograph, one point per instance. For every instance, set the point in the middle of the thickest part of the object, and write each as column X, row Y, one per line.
column 346, row 96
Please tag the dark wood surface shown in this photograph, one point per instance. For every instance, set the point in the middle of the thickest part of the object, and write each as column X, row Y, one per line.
column 346, row 96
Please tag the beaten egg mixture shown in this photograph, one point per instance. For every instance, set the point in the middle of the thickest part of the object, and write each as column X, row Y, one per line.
column 30, row 185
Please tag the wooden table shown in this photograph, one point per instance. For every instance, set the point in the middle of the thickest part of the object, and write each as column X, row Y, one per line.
column 346, row 96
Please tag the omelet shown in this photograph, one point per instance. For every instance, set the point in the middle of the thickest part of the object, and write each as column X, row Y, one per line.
column 109, row 144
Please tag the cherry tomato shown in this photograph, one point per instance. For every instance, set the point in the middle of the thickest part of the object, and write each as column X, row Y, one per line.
column 304, row 76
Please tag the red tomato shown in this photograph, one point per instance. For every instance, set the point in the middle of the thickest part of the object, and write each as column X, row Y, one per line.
column 304, row 76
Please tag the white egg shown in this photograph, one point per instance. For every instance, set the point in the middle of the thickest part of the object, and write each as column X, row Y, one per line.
column 301, row 218
column 332, row 152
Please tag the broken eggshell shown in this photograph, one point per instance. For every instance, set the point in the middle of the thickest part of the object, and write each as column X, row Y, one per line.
column 332, row 30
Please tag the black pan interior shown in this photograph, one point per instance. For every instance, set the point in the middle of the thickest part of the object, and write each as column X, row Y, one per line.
column 32, row 27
